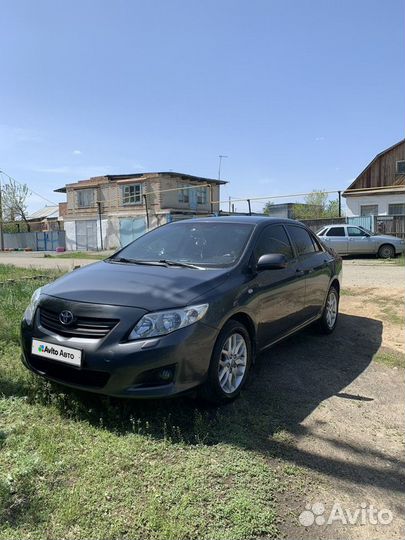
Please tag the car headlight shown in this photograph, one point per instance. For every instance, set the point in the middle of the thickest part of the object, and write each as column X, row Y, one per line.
column 161, row 323
column 30, row 311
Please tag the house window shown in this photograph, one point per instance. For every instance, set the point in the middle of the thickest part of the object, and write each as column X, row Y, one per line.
column 85, row 198
column 401, row 167
column 397, row 209
column 202, row 196
column 132, row 194
column 369, row 210
column 184, row 196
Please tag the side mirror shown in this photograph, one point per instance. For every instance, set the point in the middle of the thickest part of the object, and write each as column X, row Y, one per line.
column 271, row 261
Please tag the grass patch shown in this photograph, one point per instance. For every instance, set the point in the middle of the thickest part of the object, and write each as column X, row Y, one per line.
column 392, row 317
column 77, row 465
column 390, row 359
column 349, row 292
column 400, row 261
column 80, row 255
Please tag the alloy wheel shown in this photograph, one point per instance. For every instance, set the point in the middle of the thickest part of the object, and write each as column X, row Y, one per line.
column 331, row 309
column 233, row 363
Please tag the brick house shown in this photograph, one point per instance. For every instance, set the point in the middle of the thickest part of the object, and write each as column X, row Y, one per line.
column 112, row 210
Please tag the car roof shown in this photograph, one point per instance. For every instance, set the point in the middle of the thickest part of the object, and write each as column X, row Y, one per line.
column 254, row 220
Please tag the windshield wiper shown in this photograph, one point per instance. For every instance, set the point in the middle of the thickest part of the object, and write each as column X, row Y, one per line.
column 178, row 263
column 161, row 262
column 135, row 261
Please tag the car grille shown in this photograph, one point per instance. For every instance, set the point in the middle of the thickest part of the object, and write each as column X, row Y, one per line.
column 87, row 327
column 68, row 374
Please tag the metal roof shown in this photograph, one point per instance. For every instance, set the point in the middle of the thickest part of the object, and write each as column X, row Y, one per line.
column 47, row 212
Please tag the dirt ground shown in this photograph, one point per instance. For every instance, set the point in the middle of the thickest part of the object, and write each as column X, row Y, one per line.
column 345, row 412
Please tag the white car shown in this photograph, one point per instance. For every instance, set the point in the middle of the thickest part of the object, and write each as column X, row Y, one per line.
column 354, row 240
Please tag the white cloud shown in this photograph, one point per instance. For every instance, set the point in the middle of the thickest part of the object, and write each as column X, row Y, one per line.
column 320, row 138
column 77, row 152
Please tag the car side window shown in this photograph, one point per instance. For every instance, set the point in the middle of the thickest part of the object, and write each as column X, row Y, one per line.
column 336, row 231
column 302, row 240
column 321, row 232
column 355, row 231
column 273, row 240
column 316, row 243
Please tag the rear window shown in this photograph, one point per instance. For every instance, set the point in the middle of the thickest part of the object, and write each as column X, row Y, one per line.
column 336, row 231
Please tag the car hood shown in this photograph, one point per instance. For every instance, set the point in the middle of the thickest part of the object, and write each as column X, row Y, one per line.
column 148, row 287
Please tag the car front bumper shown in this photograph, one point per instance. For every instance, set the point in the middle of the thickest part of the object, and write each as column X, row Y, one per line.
column 116, row 367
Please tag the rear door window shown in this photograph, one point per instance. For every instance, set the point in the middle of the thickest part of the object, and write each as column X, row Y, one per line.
column 336, row 231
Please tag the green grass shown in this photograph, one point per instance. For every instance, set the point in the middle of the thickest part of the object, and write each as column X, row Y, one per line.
column 400, row 261
column 76, row 465
column 80, row 255
column 390, row 359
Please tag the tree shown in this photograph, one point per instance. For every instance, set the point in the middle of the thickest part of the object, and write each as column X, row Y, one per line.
column 317, row 206
column 14, row 202
column 267, row 208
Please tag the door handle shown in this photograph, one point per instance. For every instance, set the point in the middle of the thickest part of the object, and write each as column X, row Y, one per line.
column 300, row 272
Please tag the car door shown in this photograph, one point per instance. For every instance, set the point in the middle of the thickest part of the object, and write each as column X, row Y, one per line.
column 337, row 239
column 277, row 295
column 313, row 261
column 359, row 241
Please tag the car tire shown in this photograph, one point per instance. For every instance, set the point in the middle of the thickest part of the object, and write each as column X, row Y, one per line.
column 327, row 322
column 386, row 251
column 230, row 364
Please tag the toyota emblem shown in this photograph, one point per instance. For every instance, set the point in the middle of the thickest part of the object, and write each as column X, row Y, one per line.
column 66, row 317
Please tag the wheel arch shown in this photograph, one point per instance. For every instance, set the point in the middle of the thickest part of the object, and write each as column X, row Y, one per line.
column 247, row 321
column 335, row 283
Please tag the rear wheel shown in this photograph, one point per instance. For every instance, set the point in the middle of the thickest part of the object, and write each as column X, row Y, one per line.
column 386, row 251
column 230, row 364
column 330, row 313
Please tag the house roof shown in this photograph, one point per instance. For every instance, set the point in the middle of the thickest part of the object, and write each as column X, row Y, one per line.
column 114, row 177
column 47, row 212
column 353, row 184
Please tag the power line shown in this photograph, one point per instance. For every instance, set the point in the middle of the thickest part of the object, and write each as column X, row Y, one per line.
column 31, row 190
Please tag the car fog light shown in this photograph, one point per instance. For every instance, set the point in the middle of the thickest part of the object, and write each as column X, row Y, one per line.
column 166, row 374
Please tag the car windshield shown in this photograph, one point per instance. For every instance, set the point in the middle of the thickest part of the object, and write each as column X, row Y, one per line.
column 189, row 242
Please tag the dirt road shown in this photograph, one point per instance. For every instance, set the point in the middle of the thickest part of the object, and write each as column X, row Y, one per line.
column 343, row 399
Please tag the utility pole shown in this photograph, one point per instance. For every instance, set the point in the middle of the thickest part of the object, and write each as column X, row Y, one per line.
column 1, row 219
column 145, row 200
column 101, row 227
column 220, row 163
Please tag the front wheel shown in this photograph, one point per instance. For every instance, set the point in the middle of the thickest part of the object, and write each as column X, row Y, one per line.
column 230, row 364
column 327, row 322
column 386, row 251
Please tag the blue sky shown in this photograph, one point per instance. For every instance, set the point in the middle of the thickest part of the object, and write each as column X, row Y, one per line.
column 300, row 94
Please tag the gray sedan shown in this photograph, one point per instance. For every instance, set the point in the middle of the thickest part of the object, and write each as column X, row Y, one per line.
column 352, row 240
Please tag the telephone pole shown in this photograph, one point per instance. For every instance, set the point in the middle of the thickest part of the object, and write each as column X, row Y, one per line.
column 220, row 162
column 1, row 218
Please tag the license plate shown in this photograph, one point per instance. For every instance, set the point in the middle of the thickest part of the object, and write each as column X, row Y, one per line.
column 57, row 352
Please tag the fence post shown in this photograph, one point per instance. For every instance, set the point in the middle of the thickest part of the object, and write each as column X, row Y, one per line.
column 1, row 221
column 340, row 203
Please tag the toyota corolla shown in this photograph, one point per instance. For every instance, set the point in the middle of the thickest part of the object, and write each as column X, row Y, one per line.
column 185, row 307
